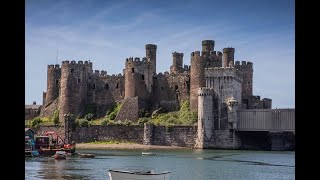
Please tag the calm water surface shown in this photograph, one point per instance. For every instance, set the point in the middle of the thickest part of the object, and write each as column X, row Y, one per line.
column 183, row 164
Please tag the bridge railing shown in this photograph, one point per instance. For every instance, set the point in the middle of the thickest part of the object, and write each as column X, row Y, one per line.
column 266, row 120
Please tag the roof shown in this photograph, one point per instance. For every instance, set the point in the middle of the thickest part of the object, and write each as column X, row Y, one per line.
column 32, row 106
column 26, row 129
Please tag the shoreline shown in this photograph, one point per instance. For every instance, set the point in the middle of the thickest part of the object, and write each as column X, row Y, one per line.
column 124, row 146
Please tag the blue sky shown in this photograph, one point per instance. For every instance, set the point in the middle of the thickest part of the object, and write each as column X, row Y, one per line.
column 107, row 32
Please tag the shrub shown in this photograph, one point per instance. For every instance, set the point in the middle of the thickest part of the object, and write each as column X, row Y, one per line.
column 55, row 117
column 89, row 116
column 36, row 122
column 112, row 116
column 141, row 121
column 104, row 122
column 83, row 123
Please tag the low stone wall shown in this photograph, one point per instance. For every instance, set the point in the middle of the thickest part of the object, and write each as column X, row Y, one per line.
column 183, row 136
column 108, row 133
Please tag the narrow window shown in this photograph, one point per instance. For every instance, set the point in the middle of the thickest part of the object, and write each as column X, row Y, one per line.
column 107, row 86
column 78, row 80
column 94, row 86
column 57, row 81
column 72, row 70
column 175, row 87
column 162, row 88
column 132, row 69
column 117, row 86
column 142, row 77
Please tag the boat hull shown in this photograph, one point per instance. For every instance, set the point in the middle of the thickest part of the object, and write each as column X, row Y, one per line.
column 118, row 175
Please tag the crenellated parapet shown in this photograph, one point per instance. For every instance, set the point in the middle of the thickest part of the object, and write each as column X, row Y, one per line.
column 224, row 72
column 204, row 91
column 243, row 65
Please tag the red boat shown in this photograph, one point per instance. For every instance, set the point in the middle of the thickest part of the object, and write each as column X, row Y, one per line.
column 51, row 143
column 60, row 155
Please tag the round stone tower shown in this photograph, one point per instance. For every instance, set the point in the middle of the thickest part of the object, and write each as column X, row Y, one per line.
column 228, row 55
column 207, row 46
column 130, row 83
column 177, row 61
column 53, row 83
column 151, row 55
column 205, row 117
column 197, row 79
column 247, row 69
column 73, row 88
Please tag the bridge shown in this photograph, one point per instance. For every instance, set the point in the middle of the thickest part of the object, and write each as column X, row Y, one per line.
column 271, row 120
column 277, row 124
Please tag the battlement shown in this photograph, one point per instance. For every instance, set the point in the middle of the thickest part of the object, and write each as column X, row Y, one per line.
column 204, row 91
column 76, row 63
column 131, row 63
column 176, row 54
column 228, row 50
column 56, row 66
column 244, row 64
column 223, row 72
column 195, row 54
column 151, row 46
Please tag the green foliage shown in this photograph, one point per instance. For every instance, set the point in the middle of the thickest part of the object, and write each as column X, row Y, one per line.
column 82, row 122
column 112, row 116
column 55, row 117
column 35, row 122
column 181, row 117
column 143, row 120
column 89, row 116
column 104, row 122
column 127, row 123
column 112, row 113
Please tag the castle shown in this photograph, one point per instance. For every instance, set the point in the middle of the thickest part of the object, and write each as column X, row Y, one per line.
column 213, row 82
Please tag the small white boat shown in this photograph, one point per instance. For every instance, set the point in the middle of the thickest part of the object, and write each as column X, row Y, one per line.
column 60, row 155
column 148, row 153
column 139, row 175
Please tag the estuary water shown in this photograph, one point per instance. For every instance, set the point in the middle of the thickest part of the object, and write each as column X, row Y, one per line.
column 183, row 164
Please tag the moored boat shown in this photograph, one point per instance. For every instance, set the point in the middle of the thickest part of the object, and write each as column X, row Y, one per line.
column 60, row 155
column 148, row 153
column 141, row 175
column 86, row 155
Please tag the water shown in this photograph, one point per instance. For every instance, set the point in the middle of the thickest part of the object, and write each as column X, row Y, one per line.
column 183, row 164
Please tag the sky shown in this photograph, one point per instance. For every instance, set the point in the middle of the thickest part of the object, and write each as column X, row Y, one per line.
column 107, row 32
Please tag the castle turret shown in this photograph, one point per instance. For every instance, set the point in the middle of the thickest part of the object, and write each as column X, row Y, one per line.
column 228, row 55
column 207, row 46
column 247, row 71
column 205, row 117
column 177, row 61
column 197, row 79
column 73, row 88
column 151, row 55
column 53, row 83
column 130, row 83
column 232, row 113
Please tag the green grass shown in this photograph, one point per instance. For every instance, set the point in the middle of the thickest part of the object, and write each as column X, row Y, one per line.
column 110, row 142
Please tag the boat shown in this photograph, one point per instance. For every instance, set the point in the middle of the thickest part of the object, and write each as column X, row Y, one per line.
column 148, row 153
column 51, row 142
column 60, row 155
column 141, row 175
column 86, row 155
